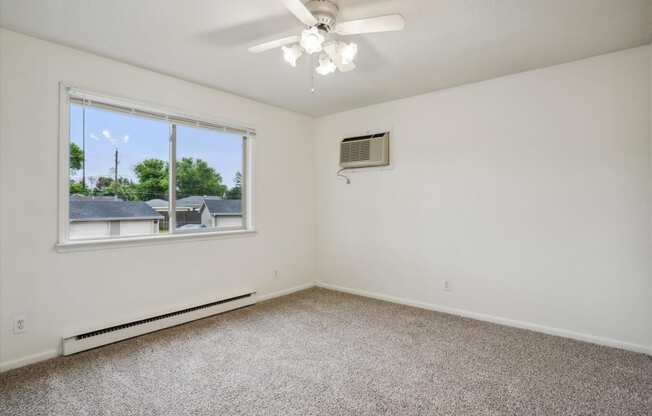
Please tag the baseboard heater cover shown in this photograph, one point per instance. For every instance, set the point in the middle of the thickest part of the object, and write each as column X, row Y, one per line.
column 109, row 335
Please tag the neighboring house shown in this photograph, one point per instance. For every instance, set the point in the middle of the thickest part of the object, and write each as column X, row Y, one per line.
column 161, row 207
column 196, row 201
column 97, row 218
column 221, row 213
column 187, row 209
column 158, row 204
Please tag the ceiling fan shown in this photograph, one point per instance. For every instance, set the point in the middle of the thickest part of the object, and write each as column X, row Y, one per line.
column 320, row 18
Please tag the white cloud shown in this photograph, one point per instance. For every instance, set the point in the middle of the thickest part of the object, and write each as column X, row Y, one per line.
column 106, row 134
column 94, row 137
column 126, row 138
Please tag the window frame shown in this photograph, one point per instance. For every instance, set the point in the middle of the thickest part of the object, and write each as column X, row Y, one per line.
column 69, row 93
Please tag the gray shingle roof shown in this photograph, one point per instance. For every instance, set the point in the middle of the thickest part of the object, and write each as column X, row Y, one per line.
column 195, row 201
column 224, row 206
column 158, row 203
column 189, row 202
column 103, row 210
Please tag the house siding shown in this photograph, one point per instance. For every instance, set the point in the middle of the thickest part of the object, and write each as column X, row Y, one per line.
column 131, row 228
column 102, row 229
column 206, row 218
column 228, row 221
column 91, row 229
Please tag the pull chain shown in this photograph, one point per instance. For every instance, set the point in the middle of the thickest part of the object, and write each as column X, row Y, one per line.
column 312, row 74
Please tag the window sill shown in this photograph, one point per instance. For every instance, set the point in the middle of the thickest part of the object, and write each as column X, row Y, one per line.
column 84, row 245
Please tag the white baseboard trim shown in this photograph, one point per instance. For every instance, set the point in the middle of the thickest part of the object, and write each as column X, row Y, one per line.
column 30, row 359
column 494, row 319
column 268, row 296
column 46, row 355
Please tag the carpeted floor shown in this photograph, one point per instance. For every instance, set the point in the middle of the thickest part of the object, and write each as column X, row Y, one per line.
column 320, row 352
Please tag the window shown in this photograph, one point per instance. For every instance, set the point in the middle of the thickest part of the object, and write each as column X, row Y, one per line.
column 209, row 178
column 133, row 172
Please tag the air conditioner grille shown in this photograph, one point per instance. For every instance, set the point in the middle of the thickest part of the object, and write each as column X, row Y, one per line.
column 372, row 150
column 355, row 151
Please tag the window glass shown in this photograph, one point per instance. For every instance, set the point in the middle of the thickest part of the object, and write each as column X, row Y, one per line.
column 120, row 171
column 118, row 174
column 209, row 179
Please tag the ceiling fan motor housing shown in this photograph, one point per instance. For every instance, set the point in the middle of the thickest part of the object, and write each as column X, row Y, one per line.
column 325, row 11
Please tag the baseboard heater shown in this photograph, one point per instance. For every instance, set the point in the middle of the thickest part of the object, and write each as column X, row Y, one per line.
column 108, row 335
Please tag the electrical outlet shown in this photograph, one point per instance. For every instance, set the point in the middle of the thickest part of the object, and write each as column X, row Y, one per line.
column 20, row 324
column 447, row 286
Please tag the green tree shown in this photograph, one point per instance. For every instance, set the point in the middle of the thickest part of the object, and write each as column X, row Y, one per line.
column 195, row 177
column 152, row 179
column 76, row 157
column 104, row 185
column 125, row 189
column 75, row 163
column 236, row 191
column 76, row 188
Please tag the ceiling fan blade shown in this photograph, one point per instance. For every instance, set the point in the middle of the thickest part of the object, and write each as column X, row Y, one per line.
column 301, row 12
column 273, row 44
column 389, row 23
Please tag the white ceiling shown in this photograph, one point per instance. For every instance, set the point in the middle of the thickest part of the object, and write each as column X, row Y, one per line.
column 446, row 42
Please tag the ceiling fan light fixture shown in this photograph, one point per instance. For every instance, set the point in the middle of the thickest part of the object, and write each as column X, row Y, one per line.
column 292, row 54
column 348, row 53
column 346, row 67
column 326, row 65
column 311, row 40
column 321, row 33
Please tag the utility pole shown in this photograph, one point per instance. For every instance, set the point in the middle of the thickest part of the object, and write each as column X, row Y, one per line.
column 115, row 178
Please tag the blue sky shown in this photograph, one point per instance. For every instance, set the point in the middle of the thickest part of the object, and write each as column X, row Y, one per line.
column 139, row 138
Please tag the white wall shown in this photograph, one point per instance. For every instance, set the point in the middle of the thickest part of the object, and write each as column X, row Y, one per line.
column 529, row 193
column 59, row 292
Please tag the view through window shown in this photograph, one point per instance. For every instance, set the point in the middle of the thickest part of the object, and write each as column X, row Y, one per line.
column 120, row 173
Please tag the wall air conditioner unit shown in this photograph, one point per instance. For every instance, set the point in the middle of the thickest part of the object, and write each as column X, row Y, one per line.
column 365, row 151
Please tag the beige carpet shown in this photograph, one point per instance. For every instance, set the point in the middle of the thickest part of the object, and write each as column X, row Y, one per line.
column 319, row 352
